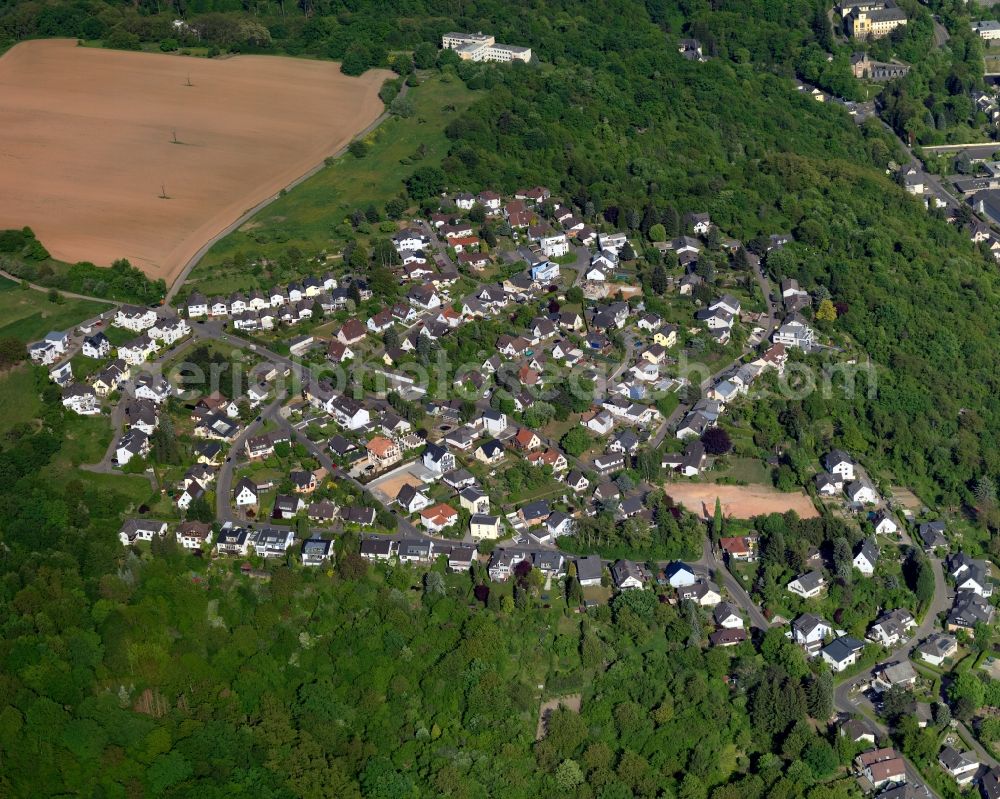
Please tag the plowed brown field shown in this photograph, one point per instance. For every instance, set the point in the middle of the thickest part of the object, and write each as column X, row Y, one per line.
column 87, row 144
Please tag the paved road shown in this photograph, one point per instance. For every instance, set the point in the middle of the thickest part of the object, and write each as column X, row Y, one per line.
column 196, row 258
column 224, row 479
column 105, row 465
column 736, row 591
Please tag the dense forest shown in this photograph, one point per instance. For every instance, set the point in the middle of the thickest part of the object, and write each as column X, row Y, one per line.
column 126, row 675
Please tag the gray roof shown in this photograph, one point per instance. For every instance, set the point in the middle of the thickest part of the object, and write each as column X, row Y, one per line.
column 869, row 550
column 589, row 568
column 810, row 580
column 842, row 648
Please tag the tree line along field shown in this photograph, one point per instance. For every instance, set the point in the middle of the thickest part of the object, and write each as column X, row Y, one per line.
column 148, row 156
column 313, row 216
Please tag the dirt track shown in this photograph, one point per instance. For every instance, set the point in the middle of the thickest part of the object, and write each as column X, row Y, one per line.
column 741, row 502
column 87, row 143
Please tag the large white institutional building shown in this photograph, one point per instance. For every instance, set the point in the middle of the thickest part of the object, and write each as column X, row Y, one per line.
column 483, row 47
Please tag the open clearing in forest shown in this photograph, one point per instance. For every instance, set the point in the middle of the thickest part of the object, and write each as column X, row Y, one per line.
column 570, row 702
column 740, row 502
column 90, row 139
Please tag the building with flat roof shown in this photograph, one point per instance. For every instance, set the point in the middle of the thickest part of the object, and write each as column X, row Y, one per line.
column 483, row 47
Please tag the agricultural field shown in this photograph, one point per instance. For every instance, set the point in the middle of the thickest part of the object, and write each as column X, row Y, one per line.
column 149, row 156
column 306, row 217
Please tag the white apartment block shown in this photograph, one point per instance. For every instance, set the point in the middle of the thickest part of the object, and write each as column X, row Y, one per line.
column 483, row 47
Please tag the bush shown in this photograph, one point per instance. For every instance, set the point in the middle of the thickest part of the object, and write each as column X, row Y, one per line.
column 169, row 45
column 121, row 39
column 358, row 148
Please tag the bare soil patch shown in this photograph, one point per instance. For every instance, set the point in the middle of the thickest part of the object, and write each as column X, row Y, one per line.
column 570, row 702
column 741, row 502
column 906, row 498
column 87, row 144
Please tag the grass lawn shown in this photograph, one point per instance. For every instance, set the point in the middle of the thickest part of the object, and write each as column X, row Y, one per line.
column 18, row 397
column 306, row 216
column 746, row 470
column 28, row 315
column 87, row 438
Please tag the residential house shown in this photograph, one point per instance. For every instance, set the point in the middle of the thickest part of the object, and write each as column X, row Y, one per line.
column 246, row 493
column 891, row 628
column 841, row 464
column 897, row 674
column 232, row 541
column 168, row 328
column 866, row 557
column 286, row 506
column 134, row 443
column 727, row 616
column 725, row 637
column 807, row 585
column 474, row 500
column 609, row 464
column 861, row 492
column 884, row 523
column 932, row 536
column 828, row 485
column 881, row 766
column 679, row 574
column 383, row 452
column 141, row 530
column 809, row 631
column 438, row 517
column 628, row 575
column 552, row 458
column 742, row 548
column 111, row 377
column 527, row 440
column 415, row 551
column 132, row 317
column 192, row 535
column 81, row 399
column 969, row 610
column 702, row 592
column 270, row 543
column 490, row 452
column 842, row 653
column 482, row 525
column 534, row 513
column 138, row 350
column 438, row 459
column 577, row 481
column 961, row 766
column 937, row 648
column 589, row 570
column 316, row 551
column 377, row 549
column 493, row 422
column 303, row 482
column 559, row 524
column 96, row 346
column 857, row 731
column 363, row 517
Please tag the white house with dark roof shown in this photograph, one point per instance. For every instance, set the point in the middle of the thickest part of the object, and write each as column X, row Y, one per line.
column 807, row 585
